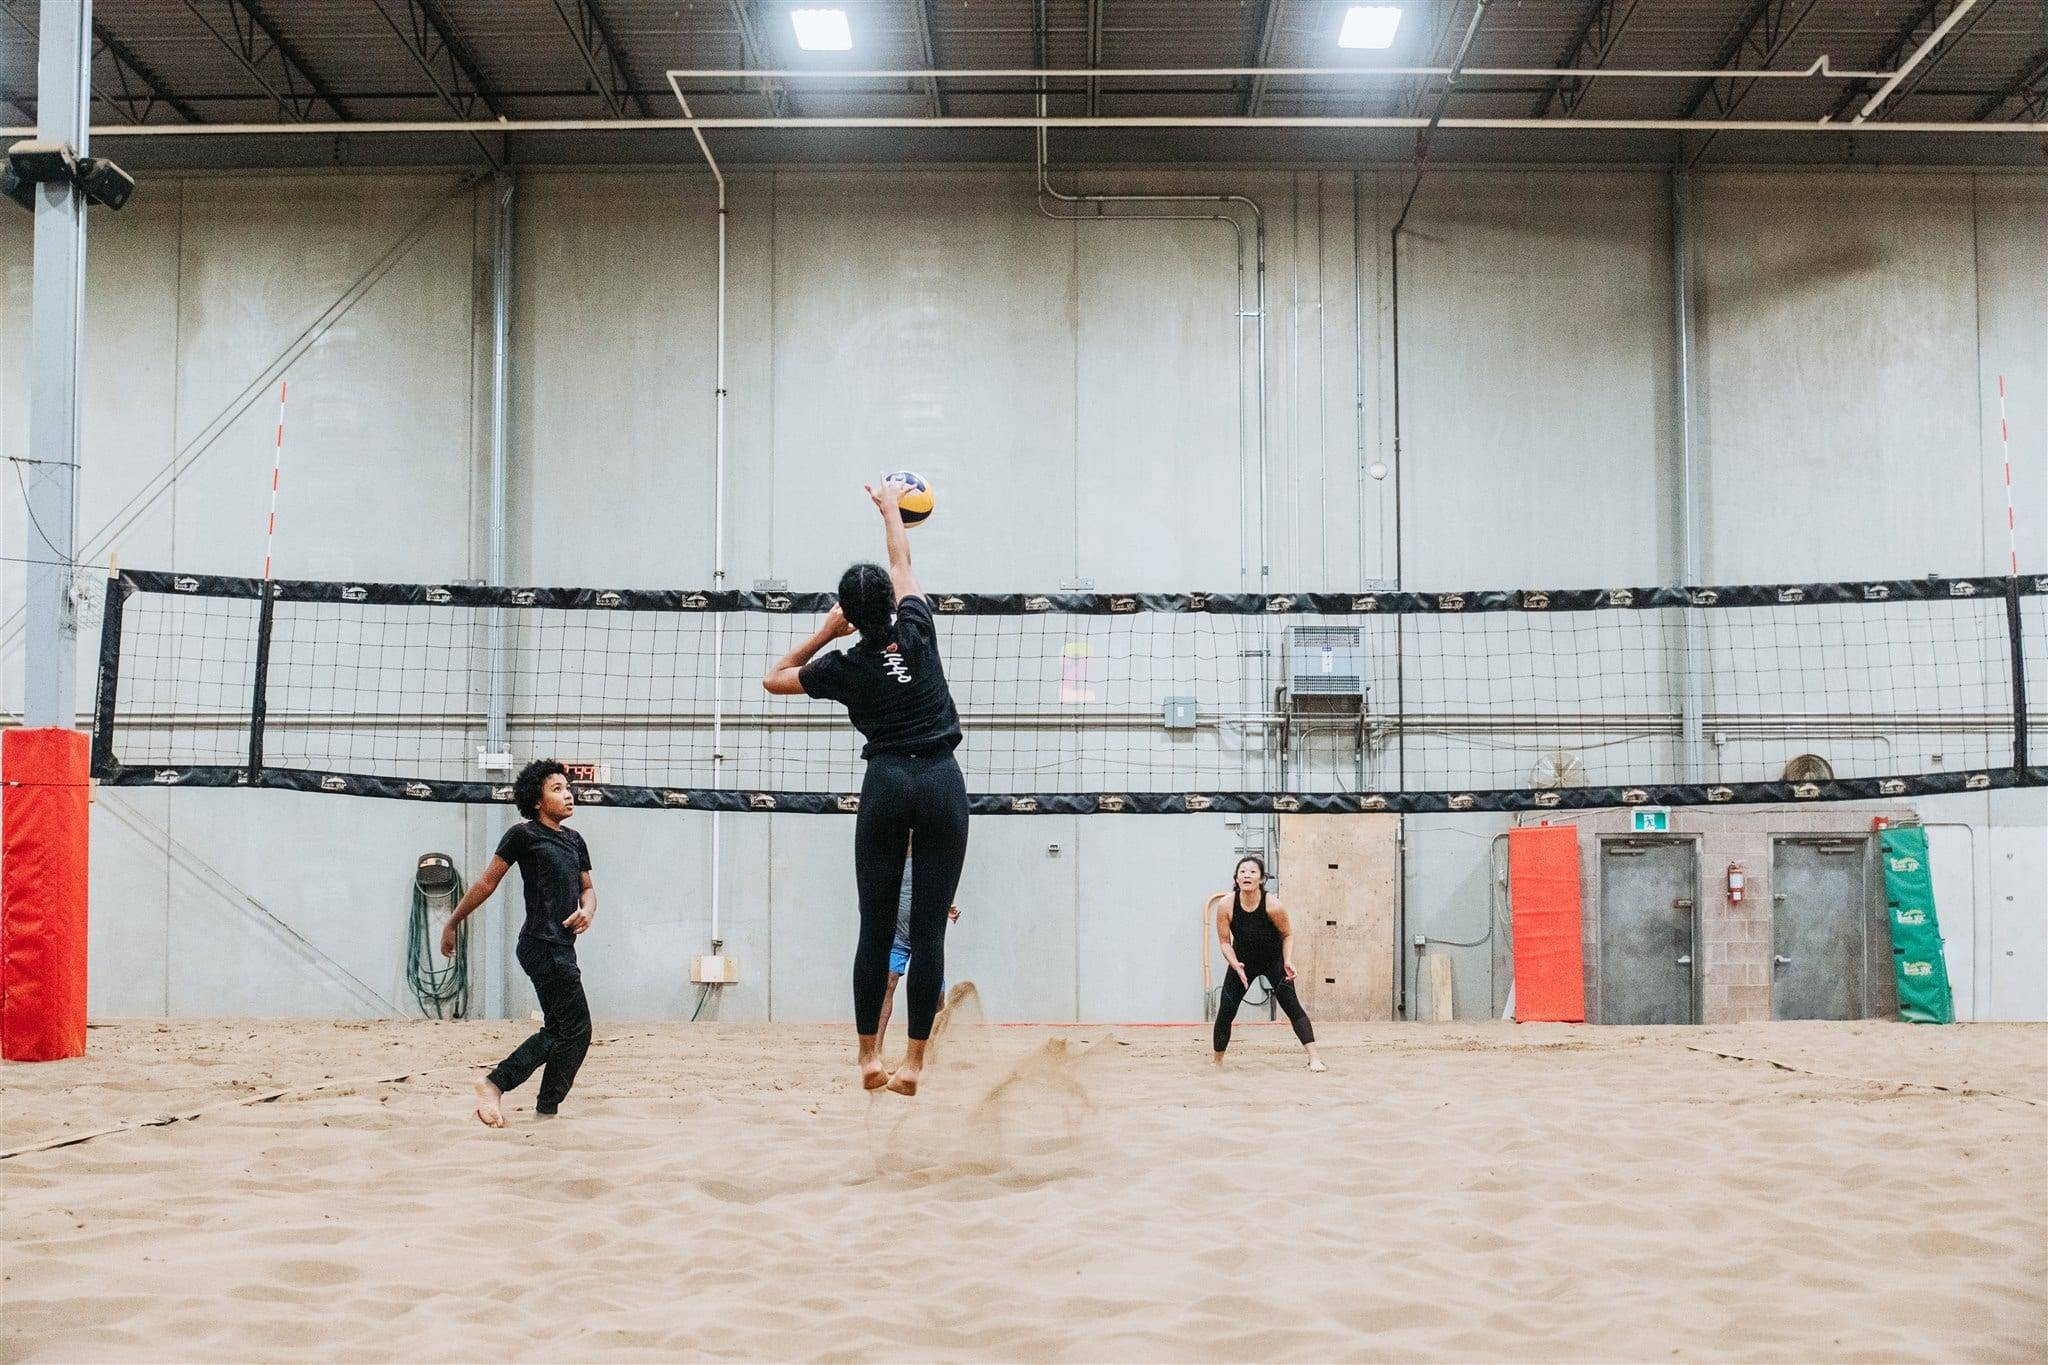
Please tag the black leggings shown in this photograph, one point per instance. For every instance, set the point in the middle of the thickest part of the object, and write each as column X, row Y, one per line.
column 564, row 1034
column 1283, row 991
column 903, row 795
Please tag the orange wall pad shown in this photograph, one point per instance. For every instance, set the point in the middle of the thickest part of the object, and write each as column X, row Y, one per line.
column 1543, row 896
column 45, row 813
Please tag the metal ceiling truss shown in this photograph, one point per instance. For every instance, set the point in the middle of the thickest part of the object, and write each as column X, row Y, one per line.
column 602, row 58
column 1756, row 41
column 1598, row 34
column 241, row 28
column 928, row 43
column 441, row 57
column 1927, row 16
column 1264, row 34
column 2029, row 87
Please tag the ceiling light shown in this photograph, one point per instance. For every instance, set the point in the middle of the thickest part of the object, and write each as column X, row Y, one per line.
column 1370, row 26
column 822, row 30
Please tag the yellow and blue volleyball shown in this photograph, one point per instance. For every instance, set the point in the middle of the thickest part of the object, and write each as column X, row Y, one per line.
column 917, row 503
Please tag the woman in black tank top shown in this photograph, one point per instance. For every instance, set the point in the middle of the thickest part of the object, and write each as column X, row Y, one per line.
column 893, row 686
column 1257, row 941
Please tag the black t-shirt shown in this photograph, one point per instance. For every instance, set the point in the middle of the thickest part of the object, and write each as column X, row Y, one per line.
column 551, row 865
column 895, row 695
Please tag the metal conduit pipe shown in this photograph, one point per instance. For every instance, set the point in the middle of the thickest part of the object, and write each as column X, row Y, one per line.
column 498, row 696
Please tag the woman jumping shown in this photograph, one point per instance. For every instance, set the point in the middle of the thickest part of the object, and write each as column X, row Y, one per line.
column 894, row 690
column 1257, row 941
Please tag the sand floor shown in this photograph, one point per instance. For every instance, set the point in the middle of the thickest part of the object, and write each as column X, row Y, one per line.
column 1484, row 1192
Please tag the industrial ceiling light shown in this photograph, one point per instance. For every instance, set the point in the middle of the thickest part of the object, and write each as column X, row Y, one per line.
column 822, row 30
column 40, row 163
column 104, row 183
column 1370, row 26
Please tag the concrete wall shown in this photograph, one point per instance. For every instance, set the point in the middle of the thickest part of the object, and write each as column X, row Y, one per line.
column 1075, row 390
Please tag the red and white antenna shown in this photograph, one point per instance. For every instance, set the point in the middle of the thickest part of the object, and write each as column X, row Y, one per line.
column 2012, row 535
column 277, row 467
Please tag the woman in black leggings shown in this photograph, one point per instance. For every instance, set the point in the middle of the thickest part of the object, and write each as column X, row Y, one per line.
column 894, row 690
column 1256, row 941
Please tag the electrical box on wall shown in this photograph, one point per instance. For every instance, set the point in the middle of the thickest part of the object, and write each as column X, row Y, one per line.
column 714, row 971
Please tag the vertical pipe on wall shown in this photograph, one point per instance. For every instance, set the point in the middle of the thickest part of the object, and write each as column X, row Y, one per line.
column 1688, row 536
column 497, row 738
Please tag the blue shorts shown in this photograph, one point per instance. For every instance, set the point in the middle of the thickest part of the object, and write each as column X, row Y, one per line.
column 899, row 958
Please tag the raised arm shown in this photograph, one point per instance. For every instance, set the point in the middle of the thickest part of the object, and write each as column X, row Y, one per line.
column 781, row 678
column 887, row 500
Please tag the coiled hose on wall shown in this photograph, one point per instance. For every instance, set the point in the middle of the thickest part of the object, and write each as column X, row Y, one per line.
column 442, row 992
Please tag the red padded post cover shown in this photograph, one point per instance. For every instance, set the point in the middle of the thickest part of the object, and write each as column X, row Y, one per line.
column 45, row 813
column 1543, row 893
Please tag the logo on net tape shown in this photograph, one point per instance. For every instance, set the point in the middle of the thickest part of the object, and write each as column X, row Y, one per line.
column 610, row 599
column 1374, row 802
column 1023, row 805
column 589, row 796
column 333, row 783
column 168, row 777
column 1719, row 794
column 1121, row 604
column 1621, row 597
column 1963, row 589
column 1462, row 801
column 1806, row 791
column 524, row 597
column 501, row 793
column 1635, row 796
column 1703, row 597
column 186, row 584
column 355, row 594
column 242, row 778
column 1876, row 592
column 440, row 597
column 695, row 601
column 1279, row 604
column 1197, row 801
column 1891, row 786
column 760, row 800
column 1791, row 594
column 675, row 798
column 952, row 603
column 1535, row 601
column 1198, row 601
column 1038, row 604
column 418, row 789
column 1366, row 602
column 1111, row 802
column 848, row 804
column 1451, row 601
column 1286, row 803
column 1548, row 799
column 1977, row 782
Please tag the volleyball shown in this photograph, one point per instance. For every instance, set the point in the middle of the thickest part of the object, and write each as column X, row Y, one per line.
column 917, row 502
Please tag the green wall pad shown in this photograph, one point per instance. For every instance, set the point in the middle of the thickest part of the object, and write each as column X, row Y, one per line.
column 1924, row 996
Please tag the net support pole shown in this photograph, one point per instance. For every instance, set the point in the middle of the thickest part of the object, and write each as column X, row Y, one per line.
column 2019, row 678
column 56, row 330
column 717, row 549
column 1693, row 646
column 497, row 737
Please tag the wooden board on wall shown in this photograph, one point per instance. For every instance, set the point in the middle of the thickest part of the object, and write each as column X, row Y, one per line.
column 1339, row 878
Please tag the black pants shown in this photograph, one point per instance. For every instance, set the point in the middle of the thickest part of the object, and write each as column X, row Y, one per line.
column 565, row 1025
column 1283, row 992
column 904, row 795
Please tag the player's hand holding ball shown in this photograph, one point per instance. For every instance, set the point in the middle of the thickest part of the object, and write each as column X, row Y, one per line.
column 908, row 493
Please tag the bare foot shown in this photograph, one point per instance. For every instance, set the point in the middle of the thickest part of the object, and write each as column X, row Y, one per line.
column 904, row 1081
column 1216, row 1060
column 487, row 1111
column 872, row 1077
column 1316, row 1064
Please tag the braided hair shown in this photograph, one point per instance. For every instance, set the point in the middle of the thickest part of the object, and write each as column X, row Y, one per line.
column 867, row 597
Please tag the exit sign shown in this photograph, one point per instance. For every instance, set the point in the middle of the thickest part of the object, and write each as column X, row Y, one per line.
column 1650, row 820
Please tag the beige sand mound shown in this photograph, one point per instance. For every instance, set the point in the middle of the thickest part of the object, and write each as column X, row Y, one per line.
column 1467, row 1193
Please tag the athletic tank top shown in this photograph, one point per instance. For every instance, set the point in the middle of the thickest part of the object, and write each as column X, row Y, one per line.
column 1253, row 932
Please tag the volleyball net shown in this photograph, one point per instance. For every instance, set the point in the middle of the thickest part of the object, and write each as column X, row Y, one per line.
column 1092, row 703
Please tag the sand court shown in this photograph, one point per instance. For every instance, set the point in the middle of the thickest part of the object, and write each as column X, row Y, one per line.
column 1485, row 1192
